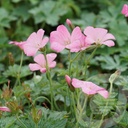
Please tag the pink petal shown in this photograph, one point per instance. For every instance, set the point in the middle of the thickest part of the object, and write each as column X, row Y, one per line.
column 5, row 109
column 52, row 64
column 109, row 43
column 32, row 39
column 125, row 9
column 40, row 59
column 34, row 67
column 88, row 91
column 104, row 93
column 19, row 44
column 75, row 46
column 100, row 33
column 57, row 47
column 29, row 50
column 108, row 36
column 40, row 34
column 77, row 83
column 76, row 34
column 88, row 30
column 51, row 57
column 44, row 42
column 64, row 32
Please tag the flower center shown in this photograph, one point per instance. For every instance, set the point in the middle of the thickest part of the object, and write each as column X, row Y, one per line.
column 98, row 41
column 67, row 42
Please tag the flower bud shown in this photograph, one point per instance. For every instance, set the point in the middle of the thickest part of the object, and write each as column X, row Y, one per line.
column 13, row 106
column 36, row 114
column 7, row 92
column 69, row 23
column 114, row 76
column 69, row 81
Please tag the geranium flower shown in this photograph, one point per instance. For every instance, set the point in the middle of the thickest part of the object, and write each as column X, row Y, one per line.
column 5, row 109
column 98, row 36
column 89, row 88
column 79, row 44
column 35, row 42
column 125, row 10
column 61, row 39
column 41, row 62
column 19, row 44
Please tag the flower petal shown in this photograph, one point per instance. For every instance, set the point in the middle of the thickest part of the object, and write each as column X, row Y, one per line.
column 108, row 36
column 76, row 83
column 109, row 43
column 5, row 109
column 40, row 34
column 40, row 59
column 29, row 50
column 57, row 47
column 34, row 67
column 104, row 93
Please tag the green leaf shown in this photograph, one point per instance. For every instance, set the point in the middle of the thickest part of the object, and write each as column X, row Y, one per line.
column 50, row 119
column 3, row 80
column 5, row 18
column 22, row 11
column 110, row 63
column 49, row 12
column 14, row 71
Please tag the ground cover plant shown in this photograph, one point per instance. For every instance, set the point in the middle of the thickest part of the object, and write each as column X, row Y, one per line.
column 63, row 69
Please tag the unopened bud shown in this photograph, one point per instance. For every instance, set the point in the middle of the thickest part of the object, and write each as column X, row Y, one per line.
column 114, row 76
column 11, row 58
column 7, row 92
column 36, row 114
column 69, row 81
column 13, row 106
column 69, row 23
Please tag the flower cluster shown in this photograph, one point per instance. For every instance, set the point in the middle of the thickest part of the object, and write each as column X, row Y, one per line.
column 77, row 41
column 60, row 39
column 36, row 42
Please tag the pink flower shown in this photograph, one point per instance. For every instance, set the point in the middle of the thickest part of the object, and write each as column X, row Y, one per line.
column 68, row 80
column 99, row 36
column 125, row 10
column 79, row 44
column 35, row 42
column 5, row 109
column 89, row 88
column 19, row 44
column 41, row 62
column 61, row 39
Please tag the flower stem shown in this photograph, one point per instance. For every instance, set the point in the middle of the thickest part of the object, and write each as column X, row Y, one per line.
column 19, row 70
column 21, row 122
column 103, row 115
column 81, row 111
column 89, row 58
column 71, row 61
